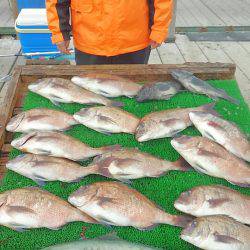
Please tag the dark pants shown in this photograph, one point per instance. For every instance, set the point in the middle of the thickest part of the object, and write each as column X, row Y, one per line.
column 137, row 57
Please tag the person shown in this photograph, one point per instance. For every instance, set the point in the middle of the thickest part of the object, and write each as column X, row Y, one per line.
column 109, row 31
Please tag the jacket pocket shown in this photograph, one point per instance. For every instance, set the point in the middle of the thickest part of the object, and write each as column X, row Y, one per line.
column 82, row 6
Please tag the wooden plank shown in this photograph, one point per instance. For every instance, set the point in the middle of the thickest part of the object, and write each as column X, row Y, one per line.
column 170, row 54
column 134, row 72
column 237, row 55
column 189, row 50
column 154, row 57
column 8, row 104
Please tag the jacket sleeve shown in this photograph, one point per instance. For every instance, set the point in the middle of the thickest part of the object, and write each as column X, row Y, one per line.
column 58, row 16
column 162, row 18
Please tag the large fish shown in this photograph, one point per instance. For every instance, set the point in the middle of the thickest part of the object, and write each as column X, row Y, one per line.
column 212, row 159
column 217, row 233
column 106, row 242
column 41, row 168
column 128, row 164
column 223, row 132
column 58, row 145
column 215, row 200
column 196, row 85
column 107, row 85
column 32, row 207
column 107, row 119
column 41, row 120
column 166, row 123
column 116, row 204
column 59, row 90
column 158, row 91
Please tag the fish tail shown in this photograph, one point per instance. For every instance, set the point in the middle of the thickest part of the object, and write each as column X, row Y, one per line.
column 210, row 108
column 174, row 220
column 231, row 99
column 182, row 165
column 116, row 104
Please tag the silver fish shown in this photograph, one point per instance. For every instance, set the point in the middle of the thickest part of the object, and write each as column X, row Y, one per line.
column 158, row 91
column 41, row 120
column 41, row 168
column 166, row 123
column 126, row 164
column 107, row 120
column 58, row 145
column 116, row 204
column 59, row 90
column 223, row 132
column 107, row 85
column 196, row 85
column 106, row 242
column 215, row 200
column 217, row 233
column 32, row 207
column 212, row 159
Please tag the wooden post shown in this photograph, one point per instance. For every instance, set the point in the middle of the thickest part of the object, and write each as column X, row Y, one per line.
column 171, row 30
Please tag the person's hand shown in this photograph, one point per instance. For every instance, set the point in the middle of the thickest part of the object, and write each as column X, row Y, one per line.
column 154, row 44
column 63, row 47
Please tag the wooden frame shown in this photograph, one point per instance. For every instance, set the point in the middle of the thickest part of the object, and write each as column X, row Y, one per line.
column 23, row 75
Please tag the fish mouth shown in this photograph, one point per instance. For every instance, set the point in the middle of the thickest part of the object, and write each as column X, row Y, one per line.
column 35, row 86
column 15, row 122
column 184, row 200
column 77, row 80
column 19, row 142
column 180, row 142
column 77, row 198
column 16, row 162
column 197, row 114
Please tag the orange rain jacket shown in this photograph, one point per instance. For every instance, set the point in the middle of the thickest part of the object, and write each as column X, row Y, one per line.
column 109, row 27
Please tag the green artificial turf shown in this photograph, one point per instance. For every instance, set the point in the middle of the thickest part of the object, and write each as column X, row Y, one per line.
column 163, row 191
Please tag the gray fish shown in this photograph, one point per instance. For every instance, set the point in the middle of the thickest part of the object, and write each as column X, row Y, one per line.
column 32, row 207
column 41, row 168
column 107, row 119
column 126, row 164
column 158, row 91
column 196, row 85
column 41, row 120
column 166, row 123
column 217, row 233
column 106, row 242
column 107, row 85
column 215, row 200
column 223, row 132
column 114, row 203
column 59, row 90
column 58, row 145
column 210, row 158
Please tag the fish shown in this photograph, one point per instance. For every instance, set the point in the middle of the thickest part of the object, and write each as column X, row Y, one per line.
column 58, row 145
column 108, row 241
column 41, row 119
column 113, row 203
column 32, row 207
column 210, row 158
column 126, row 164
column 59, row 90
column 107, row 119
column 215, row 200
column 158, row 91
column 166, row 123
column 217, row 232
column 224, row 132
column 107, row 85
column 42, row 168
column 196, row 85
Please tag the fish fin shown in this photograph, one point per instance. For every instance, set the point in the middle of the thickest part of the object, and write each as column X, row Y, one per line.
column 55, row 228
column 226, row 239
column 217, row 202
column 104, row 221
column 208, row 153
column 169, row 122
column 126, row 181
column 110, row 236
column 106, row 119
column 39, row 182
column 55, row 102
column 182, row 165
column 17, row 227
column 105, row 132
column 13, row 210
column 209, row 108
column 200, row 169
column 229, row 98
column 245, row 185
column 148, row 228
column 117, row 104
column 77, row 180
